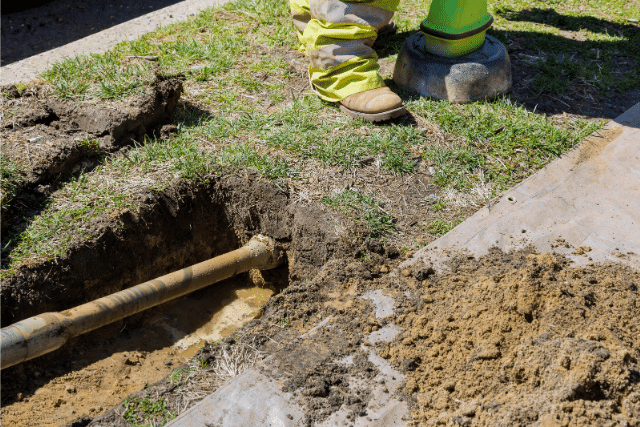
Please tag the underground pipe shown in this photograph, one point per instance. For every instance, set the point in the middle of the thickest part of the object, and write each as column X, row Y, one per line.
column 42, row 334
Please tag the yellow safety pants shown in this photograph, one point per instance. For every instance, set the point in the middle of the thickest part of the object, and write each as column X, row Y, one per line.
column 338, row 37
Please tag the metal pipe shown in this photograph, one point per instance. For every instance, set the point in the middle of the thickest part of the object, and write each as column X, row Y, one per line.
column 42, row 334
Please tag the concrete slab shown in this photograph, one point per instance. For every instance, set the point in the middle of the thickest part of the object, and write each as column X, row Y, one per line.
column 590, row 197
column 255, row 398
column 29, row 68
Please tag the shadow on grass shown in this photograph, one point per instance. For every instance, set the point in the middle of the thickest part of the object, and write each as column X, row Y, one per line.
column 564, row 73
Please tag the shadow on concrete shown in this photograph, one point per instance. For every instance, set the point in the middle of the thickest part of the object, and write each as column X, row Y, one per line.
column 35, row 26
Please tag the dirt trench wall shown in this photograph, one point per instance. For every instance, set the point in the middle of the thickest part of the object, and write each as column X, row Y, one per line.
column 132, row 122
column 177, row 227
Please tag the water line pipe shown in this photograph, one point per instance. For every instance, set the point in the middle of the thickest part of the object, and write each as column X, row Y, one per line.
column 46, row 332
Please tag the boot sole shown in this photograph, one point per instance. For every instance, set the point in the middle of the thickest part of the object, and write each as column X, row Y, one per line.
column 374, row 117
column 388, row 30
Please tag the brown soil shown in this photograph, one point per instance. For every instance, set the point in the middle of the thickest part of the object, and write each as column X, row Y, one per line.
column 523, row 339
column 301, row 364
column 99, row 370
column 180, row 226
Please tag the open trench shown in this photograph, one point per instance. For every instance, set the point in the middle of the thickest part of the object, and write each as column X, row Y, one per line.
column 178, row 227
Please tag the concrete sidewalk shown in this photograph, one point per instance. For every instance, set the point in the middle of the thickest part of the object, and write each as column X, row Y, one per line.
column 590, row 197
column 29, row 68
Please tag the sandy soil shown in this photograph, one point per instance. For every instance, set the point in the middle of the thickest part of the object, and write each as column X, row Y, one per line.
column 517, row 339
column 98, row 371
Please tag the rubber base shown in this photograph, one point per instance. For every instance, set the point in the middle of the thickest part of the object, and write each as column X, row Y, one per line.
column 482, row 74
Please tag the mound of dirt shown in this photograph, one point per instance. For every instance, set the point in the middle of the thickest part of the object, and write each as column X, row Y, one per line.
column 517, row 339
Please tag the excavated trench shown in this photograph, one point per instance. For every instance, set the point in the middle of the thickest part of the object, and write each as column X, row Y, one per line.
column 178, row 227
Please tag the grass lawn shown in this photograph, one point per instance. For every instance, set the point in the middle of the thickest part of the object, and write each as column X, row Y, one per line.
column 248, row 104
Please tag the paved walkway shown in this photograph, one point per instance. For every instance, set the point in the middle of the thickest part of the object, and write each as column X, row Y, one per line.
column 29, row 68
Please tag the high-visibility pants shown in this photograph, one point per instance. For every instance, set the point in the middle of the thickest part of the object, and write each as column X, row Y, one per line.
column 338, row 37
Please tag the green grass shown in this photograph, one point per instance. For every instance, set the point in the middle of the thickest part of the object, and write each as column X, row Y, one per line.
column 11, row 177
column 503, row 139
column 245, row 111
column 574, row 42
column 146, row 412
column 362, row 207
column 439, row 226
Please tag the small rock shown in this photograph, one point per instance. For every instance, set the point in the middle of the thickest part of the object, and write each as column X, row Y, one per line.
column 384, row 269
column 70, row 389
column 36, row 139
column 19, row 397
column 406, row 272
column 36, row 374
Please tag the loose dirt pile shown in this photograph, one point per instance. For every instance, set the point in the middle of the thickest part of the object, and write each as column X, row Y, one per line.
column 517, row 339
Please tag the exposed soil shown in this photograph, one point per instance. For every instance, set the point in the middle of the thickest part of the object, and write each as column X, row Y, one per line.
column 97, row 371
column 52, row 139
column 523, row 339
column 516, row 339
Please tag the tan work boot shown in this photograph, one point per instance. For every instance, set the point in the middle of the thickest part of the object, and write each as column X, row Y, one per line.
column 375, row 105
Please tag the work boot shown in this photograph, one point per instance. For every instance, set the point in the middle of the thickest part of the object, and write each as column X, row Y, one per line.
column 375, row 105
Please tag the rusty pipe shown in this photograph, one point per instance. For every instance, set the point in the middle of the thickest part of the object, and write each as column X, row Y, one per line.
column 42, row 334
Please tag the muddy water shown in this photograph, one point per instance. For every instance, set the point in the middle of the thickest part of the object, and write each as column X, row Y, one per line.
column 104, row 371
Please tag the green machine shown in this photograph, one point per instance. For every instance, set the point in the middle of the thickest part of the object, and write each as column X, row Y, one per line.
column 452, row 57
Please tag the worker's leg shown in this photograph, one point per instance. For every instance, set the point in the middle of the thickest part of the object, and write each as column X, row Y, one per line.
column 301, row 15
column 339, row 39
